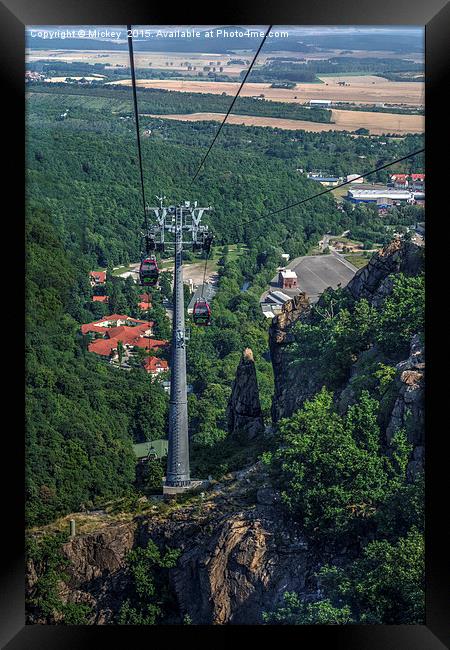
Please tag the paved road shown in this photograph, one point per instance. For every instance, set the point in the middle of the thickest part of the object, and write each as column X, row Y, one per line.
column 316, row 273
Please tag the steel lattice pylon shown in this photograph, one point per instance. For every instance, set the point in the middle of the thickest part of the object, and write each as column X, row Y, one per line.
column 175, row 220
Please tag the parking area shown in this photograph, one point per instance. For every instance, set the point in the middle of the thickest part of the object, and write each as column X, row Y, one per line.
column 316, row 273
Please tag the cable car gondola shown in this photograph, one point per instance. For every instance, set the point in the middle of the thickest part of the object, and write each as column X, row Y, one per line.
column 202, row 313
column 149, row 271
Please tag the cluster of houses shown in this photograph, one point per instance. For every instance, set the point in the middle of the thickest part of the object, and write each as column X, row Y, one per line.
column 118, row 337
column 31, row 75
column 410, row 181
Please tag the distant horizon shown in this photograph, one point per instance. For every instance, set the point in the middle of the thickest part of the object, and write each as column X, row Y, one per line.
column 375, row 38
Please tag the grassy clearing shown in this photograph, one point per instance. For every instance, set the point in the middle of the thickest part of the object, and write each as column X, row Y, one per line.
column 120, row 270
column 315, row 250
column 357, row 260
column 346, row 241
column 339, row 193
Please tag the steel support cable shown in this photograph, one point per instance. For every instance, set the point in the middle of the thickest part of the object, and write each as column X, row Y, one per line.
column 231, row 106
column 204, row 273
column 136, row 115
column 331, row 189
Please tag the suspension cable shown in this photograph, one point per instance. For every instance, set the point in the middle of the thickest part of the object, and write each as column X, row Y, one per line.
column 136, row 115
column 231, row 105
column 330, row 189
column 204, row 272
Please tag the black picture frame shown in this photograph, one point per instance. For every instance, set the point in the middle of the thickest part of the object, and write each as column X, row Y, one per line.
column 435, row 15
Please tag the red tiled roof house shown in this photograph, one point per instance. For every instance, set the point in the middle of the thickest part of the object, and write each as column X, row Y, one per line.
column 155, row 366
column 97, row 277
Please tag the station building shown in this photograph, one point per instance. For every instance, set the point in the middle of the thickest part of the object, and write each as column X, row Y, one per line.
column 287, row 279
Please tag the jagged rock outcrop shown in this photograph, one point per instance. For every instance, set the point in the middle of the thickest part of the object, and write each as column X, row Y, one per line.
column 293, row 384
column 237, row 558
column 288, row 391
column 244, row 413
column 373, row 282
column 409, row 407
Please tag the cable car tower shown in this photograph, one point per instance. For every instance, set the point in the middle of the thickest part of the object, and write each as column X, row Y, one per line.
column 172, row 222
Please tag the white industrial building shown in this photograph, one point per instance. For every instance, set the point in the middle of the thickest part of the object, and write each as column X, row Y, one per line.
column 383, row 194
column 320, row 102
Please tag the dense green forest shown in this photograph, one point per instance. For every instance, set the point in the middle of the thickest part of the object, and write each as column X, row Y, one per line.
column 161, row 102
column 83, row 212
column 307, row 71
column 253, row 171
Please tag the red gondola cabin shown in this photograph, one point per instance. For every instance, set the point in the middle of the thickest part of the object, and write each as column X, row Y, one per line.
column 149, row 272
column 201, row 313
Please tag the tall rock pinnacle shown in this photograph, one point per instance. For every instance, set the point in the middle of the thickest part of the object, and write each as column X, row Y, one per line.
column 244, row 413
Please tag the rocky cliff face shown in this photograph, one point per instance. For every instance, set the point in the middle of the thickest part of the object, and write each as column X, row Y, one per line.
column 291, row 387
column 244, row 414
column 238, row 556
column 409, row 407
column 372, row 281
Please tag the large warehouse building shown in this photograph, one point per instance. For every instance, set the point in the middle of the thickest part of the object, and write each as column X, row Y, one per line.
column 384, row 195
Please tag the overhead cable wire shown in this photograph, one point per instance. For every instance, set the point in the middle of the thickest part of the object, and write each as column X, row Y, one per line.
column 136, row 115
column 331, row 189
column 231, row 105
column 204, row 273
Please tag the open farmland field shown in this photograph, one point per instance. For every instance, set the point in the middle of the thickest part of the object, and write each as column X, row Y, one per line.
column 158, row 59
column 143, row 59
column 362, row 90
column 377, row 123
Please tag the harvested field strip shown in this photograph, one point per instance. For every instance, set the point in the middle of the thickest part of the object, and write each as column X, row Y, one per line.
column 376, row 123
column 362, row 89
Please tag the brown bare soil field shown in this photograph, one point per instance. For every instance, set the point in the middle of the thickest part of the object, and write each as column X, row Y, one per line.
column 360, row 91
column 377, row 123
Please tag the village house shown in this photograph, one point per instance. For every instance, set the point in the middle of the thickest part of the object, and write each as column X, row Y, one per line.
column 155, row 366
column 399, row 180
column 97, row 278
column 412, row 181
column 418, row 181
column 145, row 301
column 114, row 320
column 100, row 298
